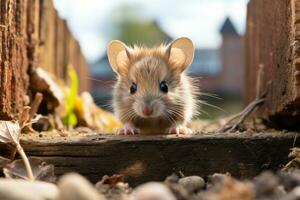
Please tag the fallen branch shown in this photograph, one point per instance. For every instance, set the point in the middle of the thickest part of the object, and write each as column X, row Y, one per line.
column 240, row 117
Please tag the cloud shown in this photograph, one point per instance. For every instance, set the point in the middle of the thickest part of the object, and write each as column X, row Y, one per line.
column 198, row 19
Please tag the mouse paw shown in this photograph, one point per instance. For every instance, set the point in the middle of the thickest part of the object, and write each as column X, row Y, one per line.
column 128, row 129
column 179, row 129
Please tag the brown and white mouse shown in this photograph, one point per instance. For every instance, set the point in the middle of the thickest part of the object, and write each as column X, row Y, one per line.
column 153, row 93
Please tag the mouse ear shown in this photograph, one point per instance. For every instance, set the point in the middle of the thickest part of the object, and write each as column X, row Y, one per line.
column 118, row 55
column 180, row 53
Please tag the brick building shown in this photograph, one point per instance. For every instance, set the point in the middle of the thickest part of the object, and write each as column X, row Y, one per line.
column 226, row 64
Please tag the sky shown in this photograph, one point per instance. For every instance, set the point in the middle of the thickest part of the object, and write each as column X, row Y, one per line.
column 198, row 19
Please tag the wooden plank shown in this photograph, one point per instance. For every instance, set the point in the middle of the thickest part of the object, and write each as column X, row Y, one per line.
column 151, row 158
column 66, row 39
column 84, row 75
column 272, row 42
column 46, row 58
column 33, row 21
column 77, row 60
column 59, row 48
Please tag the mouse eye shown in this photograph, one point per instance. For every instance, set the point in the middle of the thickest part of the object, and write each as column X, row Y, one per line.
column 133, row 88
column 163, row 86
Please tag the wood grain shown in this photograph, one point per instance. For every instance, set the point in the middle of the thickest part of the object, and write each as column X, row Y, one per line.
column 33, row 35
column 272, row 41
column 13, row 57
column 152, row 158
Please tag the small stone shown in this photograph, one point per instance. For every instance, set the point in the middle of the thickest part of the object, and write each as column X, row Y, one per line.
column 173, row 178
column 192, row 184
column 17, row 189
column 153, row 191
column 289, row 180
column 75, row 187
column 216, row 178
column 266, row 184
column 293, row 195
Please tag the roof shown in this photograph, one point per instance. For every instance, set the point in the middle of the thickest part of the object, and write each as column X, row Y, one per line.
column 228, row 28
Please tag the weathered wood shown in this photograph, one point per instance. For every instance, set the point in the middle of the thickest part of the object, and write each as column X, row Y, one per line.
column 33, row 20
column 61, row 62
column 13, row 58
column 83, row 71
column 76, row 59
column 46, row 58
column 32, row 35
column 272, row 42
column 150, row 158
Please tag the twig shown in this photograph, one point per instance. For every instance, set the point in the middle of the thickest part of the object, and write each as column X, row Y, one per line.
column 259, row 98
column 246, row 112
column 24, row 116
column 295, row 139
column 35, row 105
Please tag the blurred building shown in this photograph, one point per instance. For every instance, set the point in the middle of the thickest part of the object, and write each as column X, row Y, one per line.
column 220, row 71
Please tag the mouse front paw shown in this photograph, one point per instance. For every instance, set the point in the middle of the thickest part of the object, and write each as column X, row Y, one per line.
column 179, row 130
column 128, row 129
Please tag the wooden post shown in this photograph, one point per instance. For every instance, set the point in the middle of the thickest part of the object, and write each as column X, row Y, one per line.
column 272, row 43
column 13, row 59
column 32, row 35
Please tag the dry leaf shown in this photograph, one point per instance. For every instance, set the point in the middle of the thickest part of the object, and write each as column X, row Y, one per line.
column 9, row 131
column 4, row 161
column 295, row 153
column 294, row 164
column 90, row 115
column 41, row 170
column 45, row 83
column 112, row 180
column 113, row 187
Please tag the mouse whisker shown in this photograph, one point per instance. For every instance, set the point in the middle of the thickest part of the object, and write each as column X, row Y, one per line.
column 169, row 117
column 176, row 113
column 201, row 111
column 210, row 95
column 213, row 106
column 128, row 115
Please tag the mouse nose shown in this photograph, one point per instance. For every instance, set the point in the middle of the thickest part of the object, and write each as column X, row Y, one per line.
column 147, row 110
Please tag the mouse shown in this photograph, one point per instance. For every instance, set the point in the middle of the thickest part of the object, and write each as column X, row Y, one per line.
column 153, row 93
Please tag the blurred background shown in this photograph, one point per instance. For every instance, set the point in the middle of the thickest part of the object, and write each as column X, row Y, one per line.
column 217, row 28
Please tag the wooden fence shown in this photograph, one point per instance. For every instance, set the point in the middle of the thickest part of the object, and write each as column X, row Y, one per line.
column 33, row 35
column 272, row 43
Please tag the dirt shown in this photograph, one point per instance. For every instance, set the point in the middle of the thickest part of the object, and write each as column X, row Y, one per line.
column 200, row 127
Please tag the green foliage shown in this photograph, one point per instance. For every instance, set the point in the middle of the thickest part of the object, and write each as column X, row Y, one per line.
column 142, row 32
column 71, row 120
column 132, row 26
